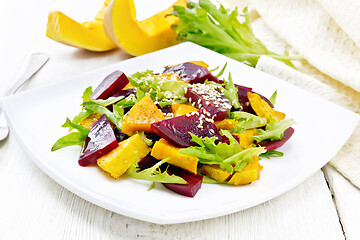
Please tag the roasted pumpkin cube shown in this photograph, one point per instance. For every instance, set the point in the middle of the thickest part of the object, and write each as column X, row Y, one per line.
column 120, row 159
column 215, row 172
column 226, row 124
column 262, row 108
column 90, row 120
column 245, row 139
column 163, row 149
column 141, row 116
column 249, row 174
column 182, row 109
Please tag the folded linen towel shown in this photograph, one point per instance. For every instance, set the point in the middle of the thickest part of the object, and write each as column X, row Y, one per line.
column 311, row 31
column 347, row 160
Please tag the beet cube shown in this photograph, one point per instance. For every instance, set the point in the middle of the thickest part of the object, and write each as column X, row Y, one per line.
column 100, row 141
column 192, row 73
column 211, row 98
column 190, row 189
column 124, row 93
column 270, row 145
column 113, row 83
column 177, row 130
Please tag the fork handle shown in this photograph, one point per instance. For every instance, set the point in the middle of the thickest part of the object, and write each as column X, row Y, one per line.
column 37, row 60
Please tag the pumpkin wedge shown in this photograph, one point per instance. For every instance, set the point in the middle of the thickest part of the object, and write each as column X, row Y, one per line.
column 249, row 174
column 163, row 149
column 139, row 37
column 88, row 35
column 120, row 159
column 141, row 116
column 262, row 108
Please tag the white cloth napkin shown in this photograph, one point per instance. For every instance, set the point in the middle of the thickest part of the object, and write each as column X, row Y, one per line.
column 304, row 27
column 310, row 30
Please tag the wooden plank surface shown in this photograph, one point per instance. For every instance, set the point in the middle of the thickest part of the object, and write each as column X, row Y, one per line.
column 33, row 206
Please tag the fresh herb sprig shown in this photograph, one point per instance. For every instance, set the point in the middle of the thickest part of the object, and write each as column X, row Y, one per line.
column 220, row 30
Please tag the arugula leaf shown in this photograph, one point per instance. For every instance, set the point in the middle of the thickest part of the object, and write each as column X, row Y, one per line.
column 148, row 141
column 221, row 71
column 153, row 174
column 115, row 118
column 272, row 153
column 274, row 130
column 87, row 94
column 73, row 138
column 246, row 121
column 231, row 92
column 135, row 79
column 220, row 30
column 230, row 157
column 272, row 99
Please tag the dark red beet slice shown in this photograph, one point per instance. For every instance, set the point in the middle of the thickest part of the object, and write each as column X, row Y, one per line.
column 270, row 145
column 244, row 101
column 192, row 73
column 177, row 129
column 211, row 98
column 113, row 83
column 124, row 93
column 190, row 189
column 100, row 141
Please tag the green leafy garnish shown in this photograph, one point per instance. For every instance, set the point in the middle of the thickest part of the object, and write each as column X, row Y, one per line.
column 220, row 30
column 274, row 130
column 230, row 157
column 148, row 141
column 73, row 138
column 246, row 121
column 272, row 153
column 272, row 99
column 115, row 118
column 231, row 92
column 153, row 174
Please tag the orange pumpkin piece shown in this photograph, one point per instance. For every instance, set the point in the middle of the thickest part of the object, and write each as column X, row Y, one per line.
column 163, row 149
column 182, row 109
column 90, row 120
column 226, row 124
column 244, row 139
column 263, row 109
column 215, row 172
column 141, row 116
column 249, row 174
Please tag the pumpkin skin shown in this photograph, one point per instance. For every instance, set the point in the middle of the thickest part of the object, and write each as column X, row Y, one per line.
column 139, row 37
column 87, row 35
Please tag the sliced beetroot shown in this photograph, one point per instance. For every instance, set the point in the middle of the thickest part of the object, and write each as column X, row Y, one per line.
column 124, row 93
column 100, row 141
column 270, row 145
column 210, row 97
column 119, row 135
column 244, row 101
column 192, row 73
column 147, row 162
column 177, row 130
column 190, row 189
column 113, row 83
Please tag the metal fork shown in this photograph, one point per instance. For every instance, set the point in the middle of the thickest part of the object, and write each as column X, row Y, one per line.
column 36, row 62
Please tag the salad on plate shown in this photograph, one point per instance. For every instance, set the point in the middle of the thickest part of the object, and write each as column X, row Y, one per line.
column 182, row 127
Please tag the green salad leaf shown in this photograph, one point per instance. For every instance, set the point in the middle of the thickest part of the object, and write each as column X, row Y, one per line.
column 114, row 117
column 246, row 121
column 220, row 30
column 272, row 99
column 153, row 174
column 272, row 153
column 231, row 157
column 73, row 138
column 231, row 92
column 274, row 130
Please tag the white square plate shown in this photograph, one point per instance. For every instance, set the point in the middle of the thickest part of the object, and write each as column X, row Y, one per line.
column 36, row 117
